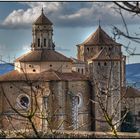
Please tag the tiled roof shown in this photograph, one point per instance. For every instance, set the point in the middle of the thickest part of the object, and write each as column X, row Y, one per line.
column 49, row 75
column 100, row 37
column 130, row 92
column 42, row 20
column 43, row 55
column 104, row 55
column 74, row 60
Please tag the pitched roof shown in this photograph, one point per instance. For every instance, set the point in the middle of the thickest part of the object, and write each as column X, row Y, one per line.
column 100, row 37
column 42, row 20
column 130, row 92
column 104, row 55
column 77, row 61
column 43, row 55
column 49, row 75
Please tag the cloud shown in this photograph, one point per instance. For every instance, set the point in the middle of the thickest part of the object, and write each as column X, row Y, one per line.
column 62, row 49
column 20, row 18
column 26, row 47
column 66, row 14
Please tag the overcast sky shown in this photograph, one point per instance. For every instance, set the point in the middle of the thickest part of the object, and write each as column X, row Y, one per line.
column 73, row 22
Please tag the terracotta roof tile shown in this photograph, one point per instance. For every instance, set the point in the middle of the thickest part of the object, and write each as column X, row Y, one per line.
column 49, row 75
column 43, row 55
column 74, row 60
column 130, row 92
column 100, row 37
column 42, row 20
column 103, row 55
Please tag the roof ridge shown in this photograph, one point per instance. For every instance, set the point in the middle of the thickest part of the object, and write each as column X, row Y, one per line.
column 57, row 75
column 99, row 37
column 42, row 19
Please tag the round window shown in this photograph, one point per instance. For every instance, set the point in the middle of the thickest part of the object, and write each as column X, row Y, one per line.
column 23, row 101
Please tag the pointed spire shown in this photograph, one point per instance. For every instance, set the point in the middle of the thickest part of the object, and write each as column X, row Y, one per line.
column 99, row 23
column 42, row 19
column 42, row 10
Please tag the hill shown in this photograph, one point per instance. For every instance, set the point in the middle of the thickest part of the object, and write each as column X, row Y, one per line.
column 132, row 72
column 4, row 68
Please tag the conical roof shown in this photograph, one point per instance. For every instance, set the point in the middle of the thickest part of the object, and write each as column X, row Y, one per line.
column 42, row 20
column 99, row 37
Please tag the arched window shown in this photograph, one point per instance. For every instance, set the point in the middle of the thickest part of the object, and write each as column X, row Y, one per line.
column 82, row 71
column 38, row 42
column 88, row 49
column 105, row 64
column 78, row 70
column 77, row 102
column 99, row 64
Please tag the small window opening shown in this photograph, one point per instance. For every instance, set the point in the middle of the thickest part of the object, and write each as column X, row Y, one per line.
column 88, row 49
column 82, row 71
column 99, row 64
column 37, row 86
column 38, row 42
column 78, row 70
column 50, row 65
column 11, row 87
column 101, row 48
column 109, row 49
column 105, row 63
column 34, row 70
column 139, row 114
column 44, row 41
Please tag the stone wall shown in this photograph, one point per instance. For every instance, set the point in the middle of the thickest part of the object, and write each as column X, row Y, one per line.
column 53, row 100
column 37, row 67
column 67, row 134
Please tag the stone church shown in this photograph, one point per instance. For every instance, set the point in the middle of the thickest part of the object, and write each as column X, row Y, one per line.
column 60, row 92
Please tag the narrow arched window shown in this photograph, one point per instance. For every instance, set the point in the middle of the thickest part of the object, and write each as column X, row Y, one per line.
column 82, row 71
column 78, row 70
column 44, row 41
column 105, row 64
column 38, row 42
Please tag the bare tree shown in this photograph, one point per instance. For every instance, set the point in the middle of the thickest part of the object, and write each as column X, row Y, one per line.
column 133, row 9
column 32, row 108
column 108, row 93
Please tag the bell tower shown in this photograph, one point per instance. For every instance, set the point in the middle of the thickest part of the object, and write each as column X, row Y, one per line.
column 42, row 32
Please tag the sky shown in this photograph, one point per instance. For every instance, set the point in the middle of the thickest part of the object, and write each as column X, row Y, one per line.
column 73, row 22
